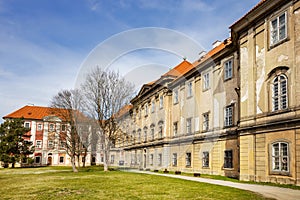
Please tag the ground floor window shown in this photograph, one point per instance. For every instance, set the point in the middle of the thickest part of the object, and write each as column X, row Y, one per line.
column 280, row 157
column 188, row 159
column 228, row 159
column 205, row 159
column 61, row 159
column 174, row 159
column 151, row 159
column 37, row 159
column 159, row 159
column 112, row 159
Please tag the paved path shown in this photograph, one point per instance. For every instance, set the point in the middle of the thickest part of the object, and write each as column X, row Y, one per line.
column 267, row 191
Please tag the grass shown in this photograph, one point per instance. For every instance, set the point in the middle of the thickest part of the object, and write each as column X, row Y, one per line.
column 224, row 178
column 93, row 183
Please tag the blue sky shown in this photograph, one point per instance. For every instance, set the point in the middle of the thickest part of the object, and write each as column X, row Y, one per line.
column 44, row 43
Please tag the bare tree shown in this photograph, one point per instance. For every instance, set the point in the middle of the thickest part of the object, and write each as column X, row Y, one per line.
column 67, row 105
column 106, row 93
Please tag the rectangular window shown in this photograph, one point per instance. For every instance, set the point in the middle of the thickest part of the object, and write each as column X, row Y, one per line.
column 62, row 144
column 39, row 127
column 228, row 159
column 37, row 159
column 145, row 134
column 228, row 69
column 159, row 159
column 280, row 157
column 188, row 159
column 278, row 29
column 112, row 159
column 152, row 133
column 174, row 159
column 151, row 159
column 205, row 159
column 205, row 121
column 146, row 110
column 139, row 135
column 50, row 144
column 51, row 127
column 153, row 106
column 63, row 127
column 27, row 124
column 206, row 81
column 160, row 131
column 228, row 121
column 61, row 159
column 175, row 128
column 175, row 96
column 38, row 144
column 189, row 89
column 161, row 101
column 189, row 126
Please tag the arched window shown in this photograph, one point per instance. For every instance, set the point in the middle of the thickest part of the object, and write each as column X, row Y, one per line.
column 280, row 157
column 280, row 92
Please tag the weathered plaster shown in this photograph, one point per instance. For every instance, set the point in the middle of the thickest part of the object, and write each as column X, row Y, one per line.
column 244, row 73
column 260, row 62
column 282, row 58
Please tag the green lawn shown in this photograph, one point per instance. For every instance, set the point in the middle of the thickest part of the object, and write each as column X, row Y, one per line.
column 93, row 183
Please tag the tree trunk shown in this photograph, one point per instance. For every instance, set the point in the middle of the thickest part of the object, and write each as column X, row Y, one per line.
column 73, row 163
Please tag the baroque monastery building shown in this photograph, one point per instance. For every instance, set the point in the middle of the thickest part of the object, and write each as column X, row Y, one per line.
column 233, row 112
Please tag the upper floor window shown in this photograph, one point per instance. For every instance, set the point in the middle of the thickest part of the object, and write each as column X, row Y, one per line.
column 175, row 128
column 228, row 69
column 278, row 29
column 145, row 134
column 27, row 124
column 63, row 127
column 39, row 127
column 280, row 157
column 152, row 132
column 38, row 144
column 206, row 81
column 160, row 129
column 205, row 121
column 146, row 110
column 51, row 127
column 189, row 89
column 50, row 144
column 175, row 96
column 279, row 93
column 153, row 106
column 228, row 121
column 139, row 135
column 161, row 101
column 189, row 126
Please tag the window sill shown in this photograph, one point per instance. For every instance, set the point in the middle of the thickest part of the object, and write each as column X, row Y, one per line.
column 272, row 46
column 282, row 173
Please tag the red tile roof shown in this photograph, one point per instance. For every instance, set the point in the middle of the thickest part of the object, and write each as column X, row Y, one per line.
column 31, row 112
column 180, row 69
column 125, row 109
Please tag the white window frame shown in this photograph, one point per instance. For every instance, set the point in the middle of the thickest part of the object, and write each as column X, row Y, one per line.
column 206, row 81
column 38, row 145
column 279, row 93
column 112, row 159
column 280, row 157
column 188, row 159
column 159, row 159
column 27, row 124
column 174, row 159
column 51, row 127
column 206, row 121
column 145, row 134
column 50, row 143
column 189, row 126
column 228, row 69
column 175, row 96
column 39, row 126
column 153, row 106
column 228, row 116
column 189, row 89
column 276, row 29
column 161, row 102
column 146, row 110
column 152, row 132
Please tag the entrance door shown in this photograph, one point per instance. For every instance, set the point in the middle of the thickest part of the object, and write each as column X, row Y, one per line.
column 49, row 161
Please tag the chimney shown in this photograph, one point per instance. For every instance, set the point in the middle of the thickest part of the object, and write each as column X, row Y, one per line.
column 216, row 43
column 202, row 54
